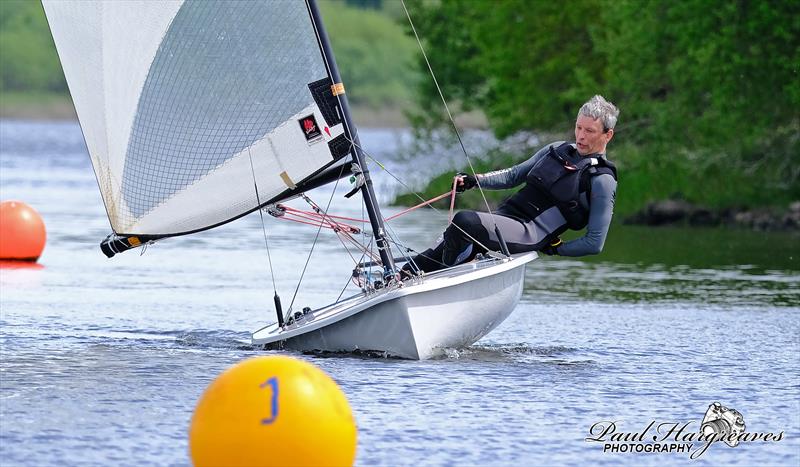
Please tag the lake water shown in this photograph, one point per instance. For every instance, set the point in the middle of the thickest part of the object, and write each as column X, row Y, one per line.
column 102, row 361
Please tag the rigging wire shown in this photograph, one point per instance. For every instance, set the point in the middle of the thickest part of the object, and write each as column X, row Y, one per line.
column 447, row 108
column 316, row 237
column 346, row 285
column 354, row 136
column 263, row 225
column 345, row 119
column 342, row 231
column 352, row 279
column 404, row 250
column 475, row 240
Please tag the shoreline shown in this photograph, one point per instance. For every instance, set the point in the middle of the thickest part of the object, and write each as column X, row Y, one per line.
column 678, row 212
column 669, row 212
column 41, row 107
column 57, row 107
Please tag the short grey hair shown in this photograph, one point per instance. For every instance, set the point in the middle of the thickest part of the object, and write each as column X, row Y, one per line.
column 599, row 108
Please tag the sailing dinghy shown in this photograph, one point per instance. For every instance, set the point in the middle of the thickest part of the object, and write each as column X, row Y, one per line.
column 197, row 113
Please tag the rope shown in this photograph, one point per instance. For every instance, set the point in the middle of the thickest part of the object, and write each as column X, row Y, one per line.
column 452, row 194
column 452, row 201
column 475, row 240
column 308, row 215
column 321, row 219
column 346, row 249
column 316, row 237
column 343, row 231
column 316, row 220
column 290, row 209
column 359, row 246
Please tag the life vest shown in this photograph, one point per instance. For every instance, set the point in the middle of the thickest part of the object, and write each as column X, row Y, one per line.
column 558, row 179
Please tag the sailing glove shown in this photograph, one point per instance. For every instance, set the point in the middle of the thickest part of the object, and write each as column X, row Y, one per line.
column 468, row 182
column 552, row 248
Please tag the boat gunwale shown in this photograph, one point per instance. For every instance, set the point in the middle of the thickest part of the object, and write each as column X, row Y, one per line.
column 335, row 312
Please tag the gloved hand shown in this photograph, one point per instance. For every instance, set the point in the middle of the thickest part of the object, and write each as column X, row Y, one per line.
column 467, row 182
column 552, row 248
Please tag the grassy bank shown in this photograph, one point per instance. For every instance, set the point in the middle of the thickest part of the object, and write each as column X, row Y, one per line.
column 471, row 199
column 36, row 106
column 44, row 106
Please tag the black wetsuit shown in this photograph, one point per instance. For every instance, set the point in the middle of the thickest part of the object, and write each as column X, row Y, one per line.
column 521, row 231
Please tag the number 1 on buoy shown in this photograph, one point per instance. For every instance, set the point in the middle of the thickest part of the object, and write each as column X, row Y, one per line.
column 273, row 382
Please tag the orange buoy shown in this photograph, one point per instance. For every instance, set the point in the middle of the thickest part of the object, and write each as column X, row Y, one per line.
column 22, row 233
column 273, row 411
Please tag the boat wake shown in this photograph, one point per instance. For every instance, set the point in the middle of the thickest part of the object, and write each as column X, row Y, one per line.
column 359, row 354
column 502, row 353
column 522, row 353
column 228, row 340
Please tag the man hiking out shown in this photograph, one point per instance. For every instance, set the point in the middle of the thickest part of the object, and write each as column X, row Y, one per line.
column 566, row 186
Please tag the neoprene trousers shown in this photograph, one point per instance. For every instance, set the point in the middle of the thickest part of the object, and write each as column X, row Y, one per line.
column 458, row 246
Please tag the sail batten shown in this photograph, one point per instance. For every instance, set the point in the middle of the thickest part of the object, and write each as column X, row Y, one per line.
column 176, row 98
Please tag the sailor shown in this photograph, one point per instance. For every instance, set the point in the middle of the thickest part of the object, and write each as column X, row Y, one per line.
column 566, row 186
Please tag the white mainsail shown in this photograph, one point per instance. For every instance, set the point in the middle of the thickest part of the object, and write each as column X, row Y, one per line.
column 175, row 98
column 187, row 105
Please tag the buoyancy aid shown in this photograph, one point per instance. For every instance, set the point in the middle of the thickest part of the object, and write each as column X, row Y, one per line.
column 558, row 179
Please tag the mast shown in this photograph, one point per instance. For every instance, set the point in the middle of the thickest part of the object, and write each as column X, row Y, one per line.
column 367, row 191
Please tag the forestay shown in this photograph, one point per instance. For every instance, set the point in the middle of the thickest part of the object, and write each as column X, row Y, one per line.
column 176, row 98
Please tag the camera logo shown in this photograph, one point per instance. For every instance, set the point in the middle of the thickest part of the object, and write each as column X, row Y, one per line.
column 723, row 423
column 719, row 423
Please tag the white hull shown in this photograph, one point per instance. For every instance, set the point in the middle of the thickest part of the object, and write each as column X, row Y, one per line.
column 448, row 309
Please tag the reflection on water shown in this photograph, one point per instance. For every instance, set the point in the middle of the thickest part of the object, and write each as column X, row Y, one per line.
column 702, row 247
column 699, row 266
column 553, row 281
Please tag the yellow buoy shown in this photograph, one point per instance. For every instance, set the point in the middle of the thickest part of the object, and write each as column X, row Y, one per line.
column 273, row 411
column 22, row 232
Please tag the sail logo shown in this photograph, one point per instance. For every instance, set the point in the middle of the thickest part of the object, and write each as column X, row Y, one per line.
column 310, row 128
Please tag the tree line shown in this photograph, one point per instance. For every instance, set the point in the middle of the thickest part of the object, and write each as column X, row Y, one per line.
column 28, row 57
column 709, row 90
column 374, row 54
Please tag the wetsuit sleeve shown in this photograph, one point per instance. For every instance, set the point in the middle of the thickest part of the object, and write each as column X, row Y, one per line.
column 601, row 209
column 513, row 176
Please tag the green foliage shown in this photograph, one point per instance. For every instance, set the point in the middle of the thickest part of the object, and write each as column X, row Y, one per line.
column 375, row 57
column 524, row 63
column 375, row 4
column 471, row 199
column 709, row 90
column 706, row 71
column 29, row 60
